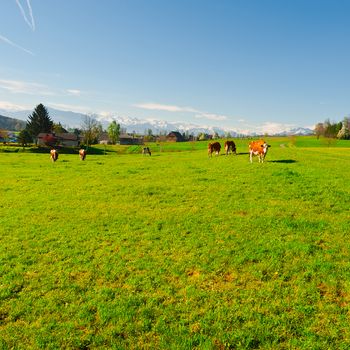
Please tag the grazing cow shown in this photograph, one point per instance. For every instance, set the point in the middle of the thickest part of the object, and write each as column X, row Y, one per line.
column 82, row 154
column 53, row 155
column 230, row 146
column 146, row 150
column 214, row 147
column 258, row 148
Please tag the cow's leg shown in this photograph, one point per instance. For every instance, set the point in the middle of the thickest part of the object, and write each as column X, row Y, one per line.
column 251, row 157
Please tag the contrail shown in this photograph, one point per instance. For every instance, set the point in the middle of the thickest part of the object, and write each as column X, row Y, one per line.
column 31, row 23
column 31, row 14
column 8, row 41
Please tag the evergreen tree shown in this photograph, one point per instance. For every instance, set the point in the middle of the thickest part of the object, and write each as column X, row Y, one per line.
column 58, row 128
column 39, row 121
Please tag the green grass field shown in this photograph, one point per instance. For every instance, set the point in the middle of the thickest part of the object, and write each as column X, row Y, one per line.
column 177, row 250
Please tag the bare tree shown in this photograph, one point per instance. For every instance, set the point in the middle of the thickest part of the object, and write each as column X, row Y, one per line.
column 91, row 130
column 4, row 135
column 319, row 130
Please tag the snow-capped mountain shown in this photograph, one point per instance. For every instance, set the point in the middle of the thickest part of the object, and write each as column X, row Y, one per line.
column 296, row 131
column 158, row 126
column 131, row 124
column 74, row 120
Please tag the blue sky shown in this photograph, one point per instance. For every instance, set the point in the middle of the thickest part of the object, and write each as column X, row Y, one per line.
column 247, row 65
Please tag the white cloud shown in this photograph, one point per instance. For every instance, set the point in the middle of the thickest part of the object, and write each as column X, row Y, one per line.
column 312, row 127
column 13, row 107
column 74, row 92
column 22, row 87
column 8, row 41
column 211, row 116
column 167, row 108
column 172, row 108
column 70, row 108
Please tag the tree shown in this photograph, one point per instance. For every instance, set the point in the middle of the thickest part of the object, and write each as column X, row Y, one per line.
column 330, row 129
column 39, row 121
column 75, row 131
column 4, row 135
column 24, row 138
column 202, row 136
column 58, row 128
column 330, row 132
column 113, row 132
column 148, row 135
column 91, row 130
column 319, row 130
column 344, row 132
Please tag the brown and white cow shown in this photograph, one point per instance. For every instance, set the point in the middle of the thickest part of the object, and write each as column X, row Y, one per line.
column 214, row 147
column 258, row 148
column 230, row 147
column 82, row 154
column 53, row 155
column 146, row 150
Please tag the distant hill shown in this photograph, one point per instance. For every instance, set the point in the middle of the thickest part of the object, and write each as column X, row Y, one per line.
column 11, row 124
column 67, row 119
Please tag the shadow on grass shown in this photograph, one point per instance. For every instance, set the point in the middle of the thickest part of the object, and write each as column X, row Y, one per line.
column 70, row 150
column 283, row 161
column 233, row 155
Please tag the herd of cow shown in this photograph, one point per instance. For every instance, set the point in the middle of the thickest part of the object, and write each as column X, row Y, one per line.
column 257, row 148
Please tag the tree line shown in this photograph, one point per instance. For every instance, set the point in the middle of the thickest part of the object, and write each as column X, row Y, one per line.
column 334, row 130
column 41, row 122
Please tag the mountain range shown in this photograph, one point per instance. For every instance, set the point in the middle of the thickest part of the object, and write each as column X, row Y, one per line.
column 74, row 120
column 11, row 123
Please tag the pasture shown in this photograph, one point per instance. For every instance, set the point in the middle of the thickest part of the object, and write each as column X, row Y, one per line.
column 176, row 250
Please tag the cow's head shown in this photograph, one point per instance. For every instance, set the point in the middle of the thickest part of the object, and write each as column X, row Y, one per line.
column 265, row 147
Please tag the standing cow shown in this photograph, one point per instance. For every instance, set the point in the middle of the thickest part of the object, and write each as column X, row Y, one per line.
column 146, row 150
column 82, row 154
column 258, row 148
column 214, row 147
column 53, row 155
column 230, row 147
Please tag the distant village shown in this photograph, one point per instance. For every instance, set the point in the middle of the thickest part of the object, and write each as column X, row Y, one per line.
column 41, row 130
